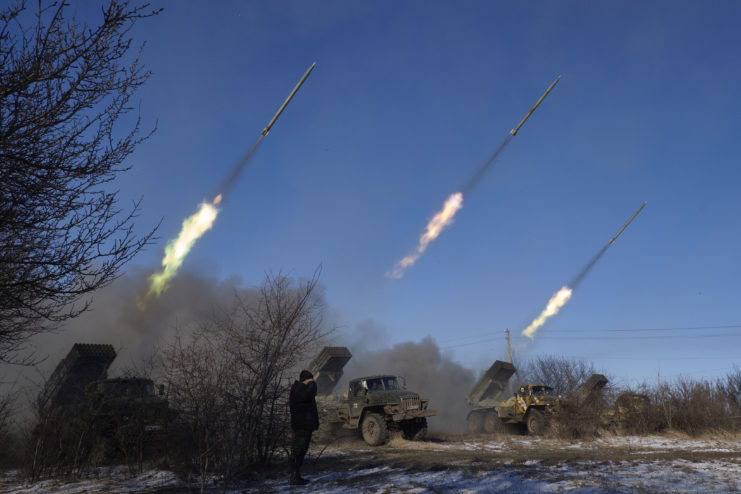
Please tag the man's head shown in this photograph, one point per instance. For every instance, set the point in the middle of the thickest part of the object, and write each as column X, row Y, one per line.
column 305, row 376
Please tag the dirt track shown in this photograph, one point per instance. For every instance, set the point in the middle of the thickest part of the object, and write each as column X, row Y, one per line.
column 473, row 451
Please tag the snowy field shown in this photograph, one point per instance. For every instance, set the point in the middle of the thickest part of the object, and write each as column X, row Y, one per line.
column 467, row 465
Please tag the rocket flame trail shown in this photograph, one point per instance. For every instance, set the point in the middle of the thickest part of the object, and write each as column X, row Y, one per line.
column 176, row 250
column 560, row 298
column 437, row 224
column 444, row 218
column 557, row 301
column 199, row 223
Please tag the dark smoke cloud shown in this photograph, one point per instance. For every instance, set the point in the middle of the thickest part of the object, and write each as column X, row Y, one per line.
column 115, row 319
column 194, row 298
column 427, row 370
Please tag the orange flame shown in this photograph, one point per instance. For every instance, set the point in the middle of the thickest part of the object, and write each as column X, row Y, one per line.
column 437, row 224
column 176, row 250
column 557, row 301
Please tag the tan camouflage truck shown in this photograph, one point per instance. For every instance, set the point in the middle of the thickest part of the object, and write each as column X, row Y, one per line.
column 528, row 406
column 375, row 406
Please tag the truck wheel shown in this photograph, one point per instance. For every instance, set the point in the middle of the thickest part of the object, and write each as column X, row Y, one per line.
column 534, row 422
column 475, row 421
column 492, row 423
column 375, row 431
column 415, row 430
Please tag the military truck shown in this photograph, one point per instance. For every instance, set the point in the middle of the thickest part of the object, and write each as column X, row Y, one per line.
column 83, row 365
column 122, row 416
column 589, row 391
column 531, row 404
column 327, row 367
column 631, row 412
column 376, row 406
column 490, row 411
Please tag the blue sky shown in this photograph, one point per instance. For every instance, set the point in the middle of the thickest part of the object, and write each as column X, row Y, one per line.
column 406, row 101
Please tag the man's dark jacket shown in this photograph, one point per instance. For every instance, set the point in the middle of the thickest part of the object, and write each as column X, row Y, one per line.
column 304, row 416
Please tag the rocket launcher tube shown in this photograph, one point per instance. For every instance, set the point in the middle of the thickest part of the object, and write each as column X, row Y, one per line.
column 288, row 100
column 626, row 224
column 514, row 131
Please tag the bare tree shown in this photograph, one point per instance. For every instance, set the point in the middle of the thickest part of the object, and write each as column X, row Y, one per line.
column 10, row 451
column 560, row 373
column 64, row 87
column 231, row 379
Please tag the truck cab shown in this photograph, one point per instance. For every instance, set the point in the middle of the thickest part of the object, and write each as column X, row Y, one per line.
column 376, row 405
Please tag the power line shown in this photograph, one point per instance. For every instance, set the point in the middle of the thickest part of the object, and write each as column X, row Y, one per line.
column 591, row 336
column 598, row 338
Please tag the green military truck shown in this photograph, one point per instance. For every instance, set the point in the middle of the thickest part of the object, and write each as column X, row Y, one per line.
column 376, row 406
column 124, row 417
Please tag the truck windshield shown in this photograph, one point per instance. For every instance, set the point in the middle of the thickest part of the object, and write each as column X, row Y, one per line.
column 542, row 390
column 374, row 385
column 390, row 383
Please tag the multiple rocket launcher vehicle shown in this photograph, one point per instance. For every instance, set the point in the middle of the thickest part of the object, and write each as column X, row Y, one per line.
column 396, row 408
column 529, row 405
column 373, row 405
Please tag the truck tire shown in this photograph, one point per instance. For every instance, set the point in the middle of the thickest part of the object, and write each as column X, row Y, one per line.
column 535, row 422
column 476, row 422
column 492, row 423
column 415, row 429
column 375, row 431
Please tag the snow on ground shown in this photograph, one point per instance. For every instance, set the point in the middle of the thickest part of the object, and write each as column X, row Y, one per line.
column 717, row 472
column 117, row 480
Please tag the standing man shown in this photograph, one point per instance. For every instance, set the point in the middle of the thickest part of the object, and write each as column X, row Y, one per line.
column 304, row 421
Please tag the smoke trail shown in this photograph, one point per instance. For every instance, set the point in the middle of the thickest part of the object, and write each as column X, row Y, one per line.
column 560, row 298
column 439, row 222
column 237, row 170
column 557, row 301
column 444, row 218
column 479, row 175
column 196, row 225
column 579, row 277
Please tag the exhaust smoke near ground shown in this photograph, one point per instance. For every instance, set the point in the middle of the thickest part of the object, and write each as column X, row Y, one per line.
column 115, row 319
column 427, row 371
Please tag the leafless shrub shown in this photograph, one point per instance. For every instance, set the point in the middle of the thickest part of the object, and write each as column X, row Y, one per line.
column 690, row 406
column 11, row 449
column 63, row 442
column 562, row 374
column 574, row 415
column 635, row 411
column 64, row 88
column 230, row 380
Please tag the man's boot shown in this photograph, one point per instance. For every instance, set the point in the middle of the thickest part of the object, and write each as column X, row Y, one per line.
column 297, row 480
column 296, row 472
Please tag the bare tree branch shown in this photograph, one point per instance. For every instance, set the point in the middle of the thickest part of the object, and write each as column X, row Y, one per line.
column 63, row 89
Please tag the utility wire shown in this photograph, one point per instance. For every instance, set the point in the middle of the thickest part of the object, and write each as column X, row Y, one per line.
column 592, row 331
column 613, row 338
